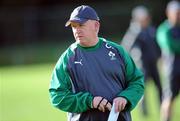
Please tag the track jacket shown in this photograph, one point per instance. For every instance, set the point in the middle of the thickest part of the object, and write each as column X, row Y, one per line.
column 102, row 70
column 168, row 37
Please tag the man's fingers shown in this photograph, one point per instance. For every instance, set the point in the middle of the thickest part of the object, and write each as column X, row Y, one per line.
column 106, row 104
column 123, row 106
column 109, row 106
column 116, row 106
column 120, row 104
column 96, row 101
column 101, row 108
column 120, row 107
column 101, row 104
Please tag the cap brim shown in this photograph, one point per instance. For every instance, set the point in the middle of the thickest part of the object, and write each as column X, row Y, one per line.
column 67, row 23
column 81, row 21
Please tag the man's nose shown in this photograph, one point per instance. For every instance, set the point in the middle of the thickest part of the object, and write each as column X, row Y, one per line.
column 78, row 29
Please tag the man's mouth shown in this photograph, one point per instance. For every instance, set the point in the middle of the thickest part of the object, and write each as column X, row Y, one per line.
column 79, row 36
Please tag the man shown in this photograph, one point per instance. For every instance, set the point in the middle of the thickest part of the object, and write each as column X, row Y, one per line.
column 168, row 37
column 93, row 73
column 141, row 37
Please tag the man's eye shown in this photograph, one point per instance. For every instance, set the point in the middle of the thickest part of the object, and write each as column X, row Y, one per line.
column 73, row 26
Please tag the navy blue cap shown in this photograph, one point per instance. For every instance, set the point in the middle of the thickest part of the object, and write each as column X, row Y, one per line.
column 81, row 14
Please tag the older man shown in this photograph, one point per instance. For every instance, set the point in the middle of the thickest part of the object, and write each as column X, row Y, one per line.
column 93, row 73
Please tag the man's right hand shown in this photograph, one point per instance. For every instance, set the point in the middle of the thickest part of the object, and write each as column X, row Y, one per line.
column 101, row 104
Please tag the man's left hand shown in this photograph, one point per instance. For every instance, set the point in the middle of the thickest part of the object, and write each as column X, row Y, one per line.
column 120, row 103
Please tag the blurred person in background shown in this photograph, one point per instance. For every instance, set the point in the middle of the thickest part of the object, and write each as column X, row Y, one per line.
column 140, row 41
column 94, row 73
column 168, row 38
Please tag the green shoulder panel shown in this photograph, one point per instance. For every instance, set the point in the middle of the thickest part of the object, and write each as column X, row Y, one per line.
column 165, row 39
column 61, row 91
column 134, row 78
column 162, row 36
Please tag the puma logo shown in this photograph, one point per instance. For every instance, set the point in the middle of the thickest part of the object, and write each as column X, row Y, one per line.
column 78, row 62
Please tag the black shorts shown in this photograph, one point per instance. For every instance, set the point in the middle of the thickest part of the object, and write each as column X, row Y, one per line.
column 175, row 77
column 175, row 85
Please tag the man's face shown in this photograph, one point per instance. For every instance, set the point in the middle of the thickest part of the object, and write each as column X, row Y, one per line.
column 85, row 32
column 174, row 16
column 144, row 21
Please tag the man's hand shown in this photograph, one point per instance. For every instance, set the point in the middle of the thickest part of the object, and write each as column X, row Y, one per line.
column 101, row 103
column 120, row 103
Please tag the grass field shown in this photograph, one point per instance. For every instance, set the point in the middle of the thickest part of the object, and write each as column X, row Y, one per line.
column 24, row 96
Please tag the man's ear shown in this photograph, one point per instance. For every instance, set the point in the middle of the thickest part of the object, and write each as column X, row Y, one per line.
column 97, row 26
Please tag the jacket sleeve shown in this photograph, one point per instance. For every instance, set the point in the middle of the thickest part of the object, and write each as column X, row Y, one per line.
column 161, row 35
column 135, row 81
column 61, row 94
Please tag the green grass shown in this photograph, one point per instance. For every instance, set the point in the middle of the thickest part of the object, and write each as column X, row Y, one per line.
column 24, row 96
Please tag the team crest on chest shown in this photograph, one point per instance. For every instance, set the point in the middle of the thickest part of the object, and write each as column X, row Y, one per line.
column 112, row 55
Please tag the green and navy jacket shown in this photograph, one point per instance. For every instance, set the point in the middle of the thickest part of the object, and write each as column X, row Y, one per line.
column 82, row 73
column 168, row 37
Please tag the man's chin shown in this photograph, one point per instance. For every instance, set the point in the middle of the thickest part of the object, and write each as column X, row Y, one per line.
column 79, row 39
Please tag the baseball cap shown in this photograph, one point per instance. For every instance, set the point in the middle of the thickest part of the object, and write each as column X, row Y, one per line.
column 81, row 14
